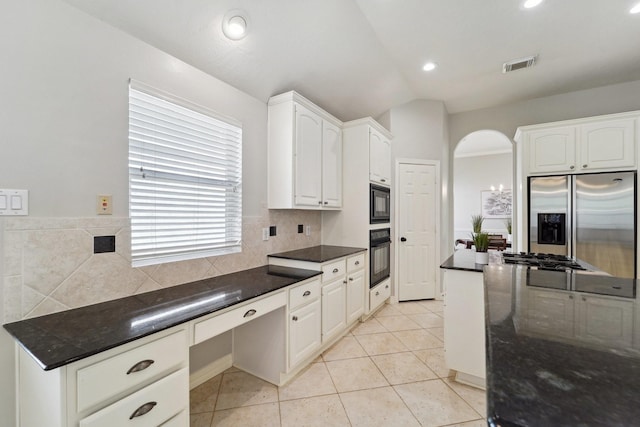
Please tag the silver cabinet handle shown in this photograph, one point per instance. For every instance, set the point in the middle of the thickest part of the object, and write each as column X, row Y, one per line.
column 335, row 270
column 140, row 366
column 584, row 299
column 570, row 296
column 584, row 166
column 357, row 263
column 249, row 313
column 306, row 293
column 319, row 202
column 326, row 203
column 344, row 281
column 377, row 293
column 383, row 180
column 294, row 318
column 351, row 279
column 144, row 409
column 572, row 167
column 386, row 287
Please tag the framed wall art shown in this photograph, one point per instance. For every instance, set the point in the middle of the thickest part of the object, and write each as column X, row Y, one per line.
column 496, row 204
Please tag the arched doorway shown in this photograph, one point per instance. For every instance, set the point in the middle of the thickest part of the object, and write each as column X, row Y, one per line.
column 482, row 173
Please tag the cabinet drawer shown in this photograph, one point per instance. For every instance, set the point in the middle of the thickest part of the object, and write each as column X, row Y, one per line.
column 218, row 324
column 379, row 294
column 161, row 400
column 355, row 262
column 333, row 270
column 303, row 294
column 125, row 371
column 180, row 420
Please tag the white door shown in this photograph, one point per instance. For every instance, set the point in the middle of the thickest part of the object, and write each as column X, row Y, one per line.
column 334, row 310
column 416, row 237
column 308, row 185
column 331, row 165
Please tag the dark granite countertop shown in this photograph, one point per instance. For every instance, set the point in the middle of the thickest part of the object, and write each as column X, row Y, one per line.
column 465, row 259
column 559, row 353
column 57, row 339
column 322, row 253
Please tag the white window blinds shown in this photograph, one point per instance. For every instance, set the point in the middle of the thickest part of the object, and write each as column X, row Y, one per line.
column 185, row 176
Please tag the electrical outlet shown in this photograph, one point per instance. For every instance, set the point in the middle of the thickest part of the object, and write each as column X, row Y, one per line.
column 104, row 205
column 300, row 228
column 272, row 230
column 265, row 234
column 308, row 230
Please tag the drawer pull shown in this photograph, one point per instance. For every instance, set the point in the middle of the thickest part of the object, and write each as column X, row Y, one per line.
column 294, row 318
column 357, row 263
column 335, row 270
column 306, row 293
column 351, row 279
column 140, row 366
column 377, row 293
column 584, row 166
column 143, row 410
column 249, row 313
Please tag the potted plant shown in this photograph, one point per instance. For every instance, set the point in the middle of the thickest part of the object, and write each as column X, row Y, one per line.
column 481, row 242
column 476, row 223
column 507, row 223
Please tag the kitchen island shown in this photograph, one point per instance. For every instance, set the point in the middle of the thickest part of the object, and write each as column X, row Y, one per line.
column 563, row 348
column 464, row 340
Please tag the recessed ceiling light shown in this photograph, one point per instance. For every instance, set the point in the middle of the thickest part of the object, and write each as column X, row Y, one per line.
column 635, row 9
column 430, row 66
column 235, row 24
column 531, row 3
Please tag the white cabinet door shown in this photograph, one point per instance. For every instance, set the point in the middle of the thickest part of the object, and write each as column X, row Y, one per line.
column 605, row 321
column 355, row 296
column 464, row 331
column 304, row 332
column 331, row 165
column 605, row 145
column 308, row 152
column 379, row 158
column 552, row 150
column 334, row 310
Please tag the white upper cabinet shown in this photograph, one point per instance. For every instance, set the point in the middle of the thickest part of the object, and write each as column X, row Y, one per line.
column 607, row 145
column 581, row 146
column 308, row 152
column 304, row 155
column 379, row 158
column 552, row 150
column 331, row 165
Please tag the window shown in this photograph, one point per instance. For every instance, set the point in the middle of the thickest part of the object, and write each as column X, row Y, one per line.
column 185, row 177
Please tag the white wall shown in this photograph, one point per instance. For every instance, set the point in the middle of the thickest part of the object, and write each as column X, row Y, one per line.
column 471, row 176
column 420, row 131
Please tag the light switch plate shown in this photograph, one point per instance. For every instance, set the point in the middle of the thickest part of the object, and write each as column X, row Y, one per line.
column 14, row 202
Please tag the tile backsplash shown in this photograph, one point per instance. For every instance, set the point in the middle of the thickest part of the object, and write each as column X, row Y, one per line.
column 49, row 264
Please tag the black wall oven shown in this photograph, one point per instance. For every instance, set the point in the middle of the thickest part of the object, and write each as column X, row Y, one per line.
column 380, row 255
column 379, row 204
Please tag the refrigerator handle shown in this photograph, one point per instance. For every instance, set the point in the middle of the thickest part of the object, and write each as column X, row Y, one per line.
column 573, row 220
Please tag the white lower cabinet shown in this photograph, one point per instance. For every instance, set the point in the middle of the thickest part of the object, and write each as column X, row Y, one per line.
column 355, row 296
column 151, row 406
column 464, row 326
column 142, row 383
column 379, row 294
column 304, row 332
column 333, row 308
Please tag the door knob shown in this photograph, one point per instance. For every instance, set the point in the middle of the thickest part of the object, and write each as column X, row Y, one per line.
column 403, row 239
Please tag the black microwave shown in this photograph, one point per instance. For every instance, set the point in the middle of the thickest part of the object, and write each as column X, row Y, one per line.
column 379, row 204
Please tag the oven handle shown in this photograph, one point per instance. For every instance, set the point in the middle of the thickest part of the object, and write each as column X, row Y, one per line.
column 380, row 243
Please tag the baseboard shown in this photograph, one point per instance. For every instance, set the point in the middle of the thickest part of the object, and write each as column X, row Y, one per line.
column 210, row 370
column 471, row 380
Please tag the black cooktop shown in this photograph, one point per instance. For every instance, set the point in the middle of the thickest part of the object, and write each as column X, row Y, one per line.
column 542, row 261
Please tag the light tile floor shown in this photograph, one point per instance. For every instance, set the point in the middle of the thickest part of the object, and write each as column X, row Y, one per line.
column 388, row 371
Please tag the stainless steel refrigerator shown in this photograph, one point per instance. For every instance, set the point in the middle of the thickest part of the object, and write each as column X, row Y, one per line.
column 591, row 217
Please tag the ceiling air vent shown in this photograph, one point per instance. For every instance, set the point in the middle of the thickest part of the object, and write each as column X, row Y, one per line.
column 518, row 64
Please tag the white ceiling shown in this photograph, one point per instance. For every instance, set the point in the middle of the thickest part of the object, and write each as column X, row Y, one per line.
column 359, row 58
